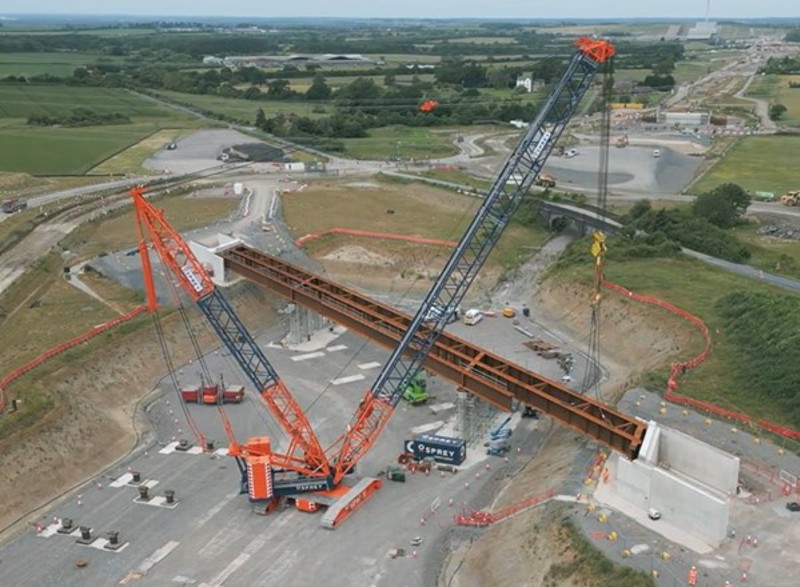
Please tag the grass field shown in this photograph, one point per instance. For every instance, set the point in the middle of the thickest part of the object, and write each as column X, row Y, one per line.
column 775, row 88
column 241, row 109
column 400, row 141
column 695, row 287
column 60, row 64
column 119, row 231
column 770, row 254
column 419, row 210
column 130, row 160
column 60, row 151
column 766, row 164
column 55, row 150
column 20, row 101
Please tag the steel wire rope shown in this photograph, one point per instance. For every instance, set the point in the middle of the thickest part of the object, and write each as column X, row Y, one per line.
column 593, row 373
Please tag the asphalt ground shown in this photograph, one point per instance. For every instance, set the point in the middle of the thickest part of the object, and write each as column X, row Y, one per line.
column 213, row 537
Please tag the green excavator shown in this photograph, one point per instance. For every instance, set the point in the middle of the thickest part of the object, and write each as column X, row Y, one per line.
column 416, row 392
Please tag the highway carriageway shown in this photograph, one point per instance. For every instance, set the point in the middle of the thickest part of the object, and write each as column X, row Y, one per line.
column 488, row 376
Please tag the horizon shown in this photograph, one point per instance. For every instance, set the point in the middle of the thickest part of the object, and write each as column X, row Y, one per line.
column 12, row 16
column 411, row 9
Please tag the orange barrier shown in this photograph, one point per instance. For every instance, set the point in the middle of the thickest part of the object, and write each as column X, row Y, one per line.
column 370, row 234
column 35, row 362
column 681, row 367
column 482, row 519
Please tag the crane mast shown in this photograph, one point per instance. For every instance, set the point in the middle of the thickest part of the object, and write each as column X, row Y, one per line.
column 494, row 214
column 304, row 453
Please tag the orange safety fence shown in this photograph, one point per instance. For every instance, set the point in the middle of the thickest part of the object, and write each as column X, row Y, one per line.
column 49, row 354
column 370, row 234
column 482, row 519
column 681, row 367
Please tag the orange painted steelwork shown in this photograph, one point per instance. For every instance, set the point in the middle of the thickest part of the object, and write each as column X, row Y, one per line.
column 485, row 374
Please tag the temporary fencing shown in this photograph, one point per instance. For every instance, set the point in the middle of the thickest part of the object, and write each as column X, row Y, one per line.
column 681, row 367
column 370, row 234
column 482, row 519
column 49, row 354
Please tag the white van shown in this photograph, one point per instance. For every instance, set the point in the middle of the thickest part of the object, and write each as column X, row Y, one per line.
column 656, row 153
column 571, row 153
column 472, row 317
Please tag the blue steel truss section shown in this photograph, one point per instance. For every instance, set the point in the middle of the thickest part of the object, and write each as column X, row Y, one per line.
column 500, row 203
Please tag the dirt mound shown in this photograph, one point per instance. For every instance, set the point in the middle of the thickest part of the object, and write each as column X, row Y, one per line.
column 357, row 254
column 634, row 338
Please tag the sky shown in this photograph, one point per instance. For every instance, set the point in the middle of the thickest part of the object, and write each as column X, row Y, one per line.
column 413, row 8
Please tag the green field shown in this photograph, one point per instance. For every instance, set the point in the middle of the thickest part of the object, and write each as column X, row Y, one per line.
column 239, row 109
column 775, row 88
column 62, row 151
column 56, row 150
column 401, row 141
column 60, row 64
column 22, row 100
column 766, row 164
column 696, row 287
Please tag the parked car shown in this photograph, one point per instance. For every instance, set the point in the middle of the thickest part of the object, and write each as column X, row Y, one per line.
column 653, row 514
column 793, row 506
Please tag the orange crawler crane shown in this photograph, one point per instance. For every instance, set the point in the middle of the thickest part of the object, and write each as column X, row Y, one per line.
column 305, row 467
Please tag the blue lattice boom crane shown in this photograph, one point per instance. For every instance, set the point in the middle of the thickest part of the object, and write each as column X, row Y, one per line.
column 513, row 182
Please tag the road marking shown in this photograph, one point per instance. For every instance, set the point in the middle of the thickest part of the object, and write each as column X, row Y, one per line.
column 223, row 576
column 308, row 356
column 348, row 379
column 121, row 481
column 158, row 556
column 338, row 347
column 201, row 520
column 373, row 365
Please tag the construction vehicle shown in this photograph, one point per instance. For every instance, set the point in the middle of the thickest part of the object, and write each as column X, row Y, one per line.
column 545, row 181
column 13, row 205
column 472, row 316
column 499, row 439
column 303, row 471
column 529, row 412
column 790, row 199
column 622, row 142
column 508, row 312
column 396, row 474
column 416, row 392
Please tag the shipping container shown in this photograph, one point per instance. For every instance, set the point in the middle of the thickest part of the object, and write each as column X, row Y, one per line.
column 443, row 449
column 233, row 394
column 190, row 393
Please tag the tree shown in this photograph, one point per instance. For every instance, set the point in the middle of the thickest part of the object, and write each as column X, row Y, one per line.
column 261, row 119
column 639, row 209
column 723, row 206
column 776, row 111
column 389, row 79
column 319, row 89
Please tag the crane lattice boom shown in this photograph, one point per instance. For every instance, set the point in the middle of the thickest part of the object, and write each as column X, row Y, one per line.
column 502, row 200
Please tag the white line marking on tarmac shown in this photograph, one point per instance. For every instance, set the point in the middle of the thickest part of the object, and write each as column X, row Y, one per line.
column 158, row 556
column 365, row 366
column 308, row 356
column 348, row 379
column 336, row 347
column 201, row 520
column 223, row 576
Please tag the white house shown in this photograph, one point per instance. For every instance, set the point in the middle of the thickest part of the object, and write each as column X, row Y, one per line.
column 531, row 85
